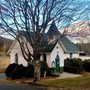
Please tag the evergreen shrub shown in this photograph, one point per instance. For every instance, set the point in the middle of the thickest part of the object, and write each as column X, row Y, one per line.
column 86, row 64
column 18, row 72
column 10, row 69
column 29, row 71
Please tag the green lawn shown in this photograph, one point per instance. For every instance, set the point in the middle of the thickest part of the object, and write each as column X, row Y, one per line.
column 80, row 83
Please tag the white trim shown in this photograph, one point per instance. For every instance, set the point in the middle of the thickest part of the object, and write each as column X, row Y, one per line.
column 13, row 44
column 62, row 46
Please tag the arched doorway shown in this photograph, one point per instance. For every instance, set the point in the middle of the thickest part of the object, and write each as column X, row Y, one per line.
column 57, row 62
column 16, row 58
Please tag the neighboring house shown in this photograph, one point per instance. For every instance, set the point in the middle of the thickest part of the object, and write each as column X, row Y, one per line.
column 55, row 52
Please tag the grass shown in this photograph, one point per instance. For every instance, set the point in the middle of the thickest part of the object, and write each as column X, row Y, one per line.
column 4, row 62
column 80, row 83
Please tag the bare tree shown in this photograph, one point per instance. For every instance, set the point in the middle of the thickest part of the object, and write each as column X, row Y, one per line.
column 34, row 17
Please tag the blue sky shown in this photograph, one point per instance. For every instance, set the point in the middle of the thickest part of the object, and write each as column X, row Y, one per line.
column 84, row 4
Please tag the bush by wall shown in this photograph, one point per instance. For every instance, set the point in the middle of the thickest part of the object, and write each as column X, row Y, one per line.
column 10, row 69
column 86, row 65
column 18, row 72
column 67, row 62
column 30, row 71
column 73, row 66
column 77, row 62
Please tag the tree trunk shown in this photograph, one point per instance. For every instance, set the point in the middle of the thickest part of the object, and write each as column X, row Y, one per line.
column 37, row 68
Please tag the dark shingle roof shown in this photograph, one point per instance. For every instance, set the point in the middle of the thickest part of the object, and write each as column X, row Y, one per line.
column 53, row 30
column 66, row 43
column 69, row 46
column 50, row 47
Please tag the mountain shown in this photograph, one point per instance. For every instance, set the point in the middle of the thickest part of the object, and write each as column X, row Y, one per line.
column 78, row 32
column 5, row 44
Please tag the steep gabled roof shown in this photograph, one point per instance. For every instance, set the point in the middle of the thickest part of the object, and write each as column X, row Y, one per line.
column 50, row 47
column 69, row 46
column 65, row 43
column 53, row 30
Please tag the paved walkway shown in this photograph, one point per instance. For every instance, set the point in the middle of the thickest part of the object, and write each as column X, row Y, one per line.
column 68, row 75
column 62, row 75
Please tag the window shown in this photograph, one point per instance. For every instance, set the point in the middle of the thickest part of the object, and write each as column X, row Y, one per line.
column 16, row 58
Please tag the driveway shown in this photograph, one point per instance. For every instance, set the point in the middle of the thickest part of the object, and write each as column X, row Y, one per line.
column 14, row 86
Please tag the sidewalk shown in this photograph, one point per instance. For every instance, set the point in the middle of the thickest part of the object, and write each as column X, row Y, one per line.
column 68, row 75
column 62, row 75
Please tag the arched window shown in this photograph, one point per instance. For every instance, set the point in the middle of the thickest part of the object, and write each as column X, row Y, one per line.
column 16, row 58
column 53, row 64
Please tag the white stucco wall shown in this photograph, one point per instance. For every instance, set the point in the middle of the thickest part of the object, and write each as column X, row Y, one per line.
column 61, row 54
column 21, row 60
column 58, row 51
column 84, row 57
column 77, row 56
column 16, row 49
column 73, row 56
column 49, row 56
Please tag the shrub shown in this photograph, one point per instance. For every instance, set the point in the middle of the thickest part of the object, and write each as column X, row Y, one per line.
column 48, row 72
column 30, row 71
column 10, row 69
column 18, row 72
column 67, row 62
column 77, row 62
column 86, row 64
column 74, row 66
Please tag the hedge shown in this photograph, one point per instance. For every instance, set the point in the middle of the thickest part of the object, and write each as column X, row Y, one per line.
column 18, row 72
column 74, row 65
column 30, row 71
column 15, row 71
column 86, row 65
column 75, row 62
column 10, row 69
